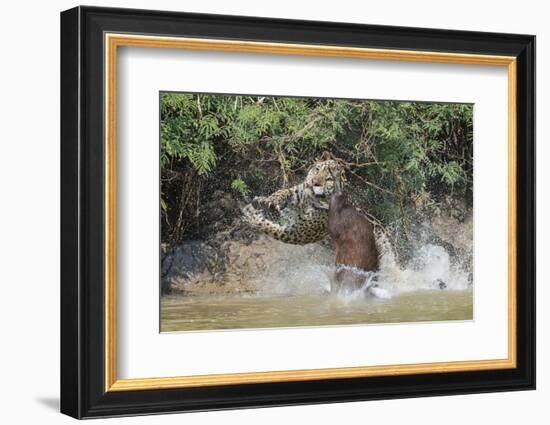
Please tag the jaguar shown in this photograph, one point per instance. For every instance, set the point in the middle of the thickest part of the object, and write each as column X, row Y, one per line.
column 301, row 210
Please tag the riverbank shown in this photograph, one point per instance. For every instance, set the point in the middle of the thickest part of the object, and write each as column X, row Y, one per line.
column 240, row 262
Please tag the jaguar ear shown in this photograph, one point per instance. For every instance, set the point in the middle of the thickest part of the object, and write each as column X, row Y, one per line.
column 326, row 155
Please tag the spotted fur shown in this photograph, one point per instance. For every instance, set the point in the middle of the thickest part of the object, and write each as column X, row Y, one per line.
column 302, row 209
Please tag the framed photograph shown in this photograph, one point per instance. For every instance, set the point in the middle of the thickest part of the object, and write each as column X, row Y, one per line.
column 261, row 212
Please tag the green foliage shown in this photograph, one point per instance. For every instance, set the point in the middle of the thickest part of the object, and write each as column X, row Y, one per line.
column 400, row 156
column 240, row 186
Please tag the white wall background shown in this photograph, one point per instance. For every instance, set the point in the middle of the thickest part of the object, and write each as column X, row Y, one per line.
column 29, row 213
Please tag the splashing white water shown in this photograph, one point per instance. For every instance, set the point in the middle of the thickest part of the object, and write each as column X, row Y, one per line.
column 430, row 268
column 308, row 272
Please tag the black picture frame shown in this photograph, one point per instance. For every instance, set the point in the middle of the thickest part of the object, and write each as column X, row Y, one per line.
column 83, row 392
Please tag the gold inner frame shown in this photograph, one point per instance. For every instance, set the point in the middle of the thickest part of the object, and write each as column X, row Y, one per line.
column 113, row 41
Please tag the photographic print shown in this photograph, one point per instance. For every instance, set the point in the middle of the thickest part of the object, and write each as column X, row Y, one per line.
column 289, row 211
column 322, row 190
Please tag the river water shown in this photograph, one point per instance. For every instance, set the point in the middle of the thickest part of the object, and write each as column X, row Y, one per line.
column 207, row 312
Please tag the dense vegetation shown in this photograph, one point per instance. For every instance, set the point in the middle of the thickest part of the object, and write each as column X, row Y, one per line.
column 400, row 156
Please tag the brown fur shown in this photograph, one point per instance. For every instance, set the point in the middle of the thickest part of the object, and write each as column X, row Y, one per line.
column 353, row 236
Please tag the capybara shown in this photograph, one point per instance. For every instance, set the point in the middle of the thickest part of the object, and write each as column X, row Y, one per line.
column 353, row 236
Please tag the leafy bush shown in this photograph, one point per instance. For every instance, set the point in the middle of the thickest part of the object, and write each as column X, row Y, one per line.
column 400, row 156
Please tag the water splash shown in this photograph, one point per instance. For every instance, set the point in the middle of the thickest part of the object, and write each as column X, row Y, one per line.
column 431, row 267
column 308, row 272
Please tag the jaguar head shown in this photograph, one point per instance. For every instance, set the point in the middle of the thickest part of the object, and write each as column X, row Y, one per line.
column 324, row 178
